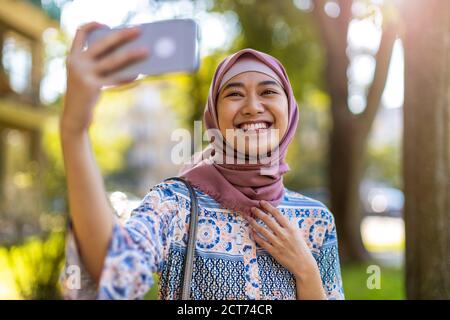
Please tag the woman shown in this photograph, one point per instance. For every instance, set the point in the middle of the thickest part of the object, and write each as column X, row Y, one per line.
column 255, row 240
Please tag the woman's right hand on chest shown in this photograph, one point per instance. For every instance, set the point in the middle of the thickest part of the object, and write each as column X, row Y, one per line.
column 88, row 70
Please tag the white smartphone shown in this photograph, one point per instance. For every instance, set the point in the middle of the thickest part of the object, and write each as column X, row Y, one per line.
column 173, row 46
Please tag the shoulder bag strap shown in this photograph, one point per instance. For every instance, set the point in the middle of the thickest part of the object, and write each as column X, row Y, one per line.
column 189, row 259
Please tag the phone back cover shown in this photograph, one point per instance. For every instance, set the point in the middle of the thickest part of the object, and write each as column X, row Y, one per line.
column 173, row 47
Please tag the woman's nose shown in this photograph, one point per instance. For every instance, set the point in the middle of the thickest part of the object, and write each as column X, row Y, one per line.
column 252, row 106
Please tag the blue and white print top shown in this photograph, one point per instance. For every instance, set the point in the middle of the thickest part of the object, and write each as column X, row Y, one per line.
column 228, row 263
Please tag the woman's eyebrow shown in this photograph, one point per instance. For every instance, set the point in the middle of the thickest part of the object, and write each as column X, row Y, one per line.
column 241, row 85
column 268, row 83
column 233, row 84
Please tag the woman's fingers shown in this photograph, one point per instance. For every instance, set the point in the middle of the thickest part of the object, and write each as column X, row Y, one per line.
column 80, row 36
column 263, row 243
column 282, row 220
column 118, row 60
column 271, row 223
column 116, row 80
column 113, row 40
column 271, row 238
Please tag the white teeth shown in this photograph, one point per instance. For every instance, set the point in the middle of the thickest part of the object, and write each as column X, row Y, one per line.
column 253, row 126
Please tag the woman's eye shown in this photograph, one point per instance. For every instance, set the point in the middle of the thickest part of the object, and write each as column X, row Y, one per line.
column 269, row 92
column 233, row 94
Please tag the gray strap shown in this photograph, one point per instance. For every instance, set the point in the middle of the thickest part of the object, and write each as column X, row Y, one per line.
column 190, row 251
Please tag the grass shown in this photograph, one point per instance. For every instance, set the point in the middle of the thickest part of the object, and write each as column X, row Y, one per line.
column 152, row 294
column 355, row 278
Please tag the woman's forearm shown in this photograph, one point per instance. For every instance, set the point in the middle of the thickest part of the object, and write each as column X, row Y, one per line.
column 309, row 286
column 91, row 212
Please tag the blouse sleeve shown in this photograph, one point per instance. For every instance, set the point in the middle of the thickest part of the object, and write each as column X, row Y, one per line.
column 329, row 266
column 135, row 252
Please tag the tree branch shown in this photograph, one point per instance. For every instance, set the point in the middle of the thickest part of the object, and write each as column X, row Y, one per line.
column 334, row 35
column 383, row 59
column 345, row 16
column 326, row 24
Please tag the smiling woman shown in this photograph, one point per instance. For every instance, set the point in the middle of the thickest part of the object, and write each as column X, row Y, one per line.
column 256, row 239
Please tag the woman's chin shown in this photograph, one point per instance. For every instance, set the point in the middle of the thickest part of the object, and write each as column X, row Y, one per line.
column 262, row 151
column 255, row 146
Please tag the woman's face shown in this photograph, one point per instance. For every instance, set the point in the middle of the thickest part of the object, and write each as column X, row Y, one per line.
column 252, row 106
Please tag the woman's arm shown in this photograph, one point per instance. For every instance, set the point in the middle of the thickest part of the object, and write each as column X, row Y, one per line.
column 309, row 285
column 91, row 214
column 135, row 252
column 87, row 72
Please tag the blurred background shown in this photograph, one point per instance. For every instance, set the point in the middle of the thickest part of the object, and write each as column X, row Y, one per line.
column 372, row 81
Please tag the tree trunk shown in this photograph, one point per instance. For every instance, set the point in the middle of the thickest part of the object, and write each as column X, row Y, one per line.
column 348, row 137
column 346, row 169
column 426, row 149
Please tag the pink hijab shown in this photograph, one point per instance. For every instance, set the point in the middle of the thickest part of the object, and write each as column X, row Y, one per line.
column 239, row 186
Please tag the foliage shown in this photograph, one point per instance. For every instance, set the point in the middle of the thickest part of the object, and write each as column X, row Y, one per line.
column 383, row 164
column 35, row 266
column 52, row 8
column 283, row 31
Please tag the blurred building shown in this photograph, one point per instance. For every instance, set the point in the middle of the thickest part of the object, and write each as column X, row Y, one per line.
column 150, row 123
column 22, row 115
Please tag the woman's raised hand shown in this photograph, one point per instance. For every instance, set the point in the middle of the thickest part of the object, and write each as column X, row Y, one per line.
column 88, row 70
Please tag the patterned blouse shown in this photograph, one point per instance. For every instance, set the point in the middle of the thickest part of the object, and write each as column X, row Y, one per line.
column 228, row 264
